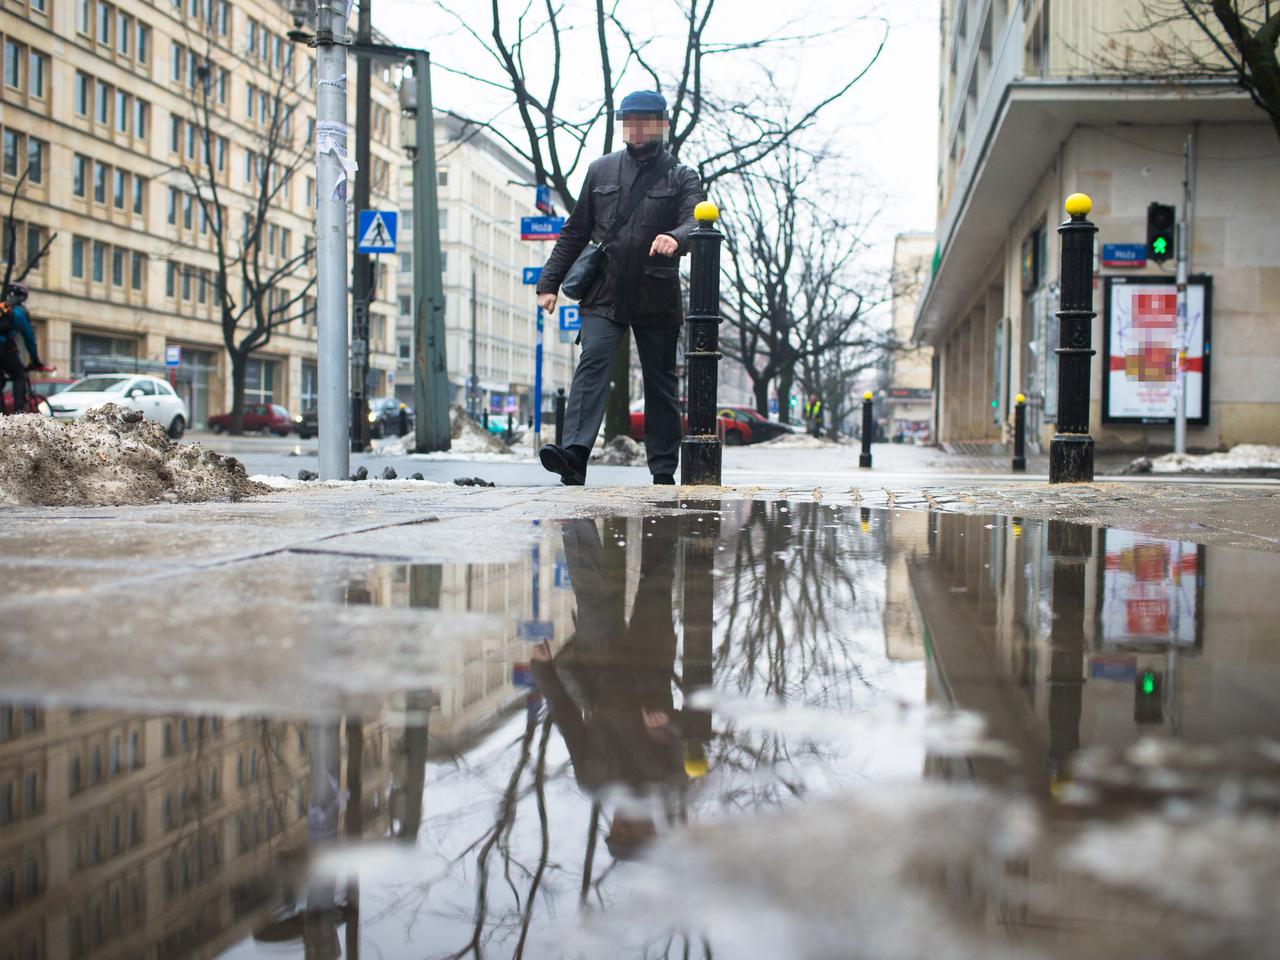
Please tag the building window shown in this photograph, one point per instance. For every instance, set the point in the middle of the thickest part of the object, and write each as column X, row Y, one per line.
column 118, row 191
column 101, row 102
column 175, row 134
column 82, row 16
column 99, row 182
column 104, row 24
column 139, row 193
column 82, row 94
column 406, row 306
column 77, row 257
column 124, row 32
column 9, row 164
column 144, row 42
column 259, row 387
column 442, row 177
column 99, row 262
column 170, row 278
column 122, row 111
column 135, row 274
column 79, row 174
column 140, row 111
column 12, row 63
column 176, row 60
column 37, row 67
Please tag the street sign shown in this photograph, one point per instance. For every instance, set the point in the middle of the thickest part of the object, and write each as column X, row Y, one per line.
column 570, row 319
column 542, row 199
column 172, row 356
column 1124, row 254
column 541, row 228
column 536, row 630
column 377, row 231
column 529, row 276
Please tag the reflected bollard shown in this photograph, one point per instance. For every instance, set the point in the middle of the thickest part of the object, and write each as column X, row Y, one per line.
column 864, row 459
column 560, row 405
column 1071, row 450
column 700, row 453
column 1019, row 432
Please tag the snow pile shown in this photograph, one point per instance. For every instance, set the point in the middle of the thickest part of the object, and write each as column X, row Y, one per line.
column 800, row 441
column 394, row 446
column 621, row 451
column 111, row 456
column 471, row 437
column 1244, row 456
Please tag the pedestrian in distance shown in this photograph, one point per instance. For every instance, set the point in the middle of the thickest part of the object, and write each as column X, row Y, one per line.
column 15, row 324
column 813, row 415
column 618, row 255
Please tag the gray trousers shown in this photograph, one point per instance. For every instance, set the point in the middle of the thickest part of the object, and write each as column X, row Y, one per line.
column 590, row 389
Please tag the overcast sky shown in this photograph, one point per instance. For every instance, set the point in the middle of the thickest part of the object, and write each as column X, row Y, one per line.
column 885, row 127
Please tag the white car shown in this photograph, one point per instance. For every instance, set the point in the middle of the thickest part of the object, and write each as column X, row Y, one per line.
column 153, row 396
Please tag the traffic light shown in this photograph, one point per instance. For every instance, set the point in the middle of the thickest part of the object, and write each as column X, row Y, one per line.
column 1147, row 703
column 1161, row 221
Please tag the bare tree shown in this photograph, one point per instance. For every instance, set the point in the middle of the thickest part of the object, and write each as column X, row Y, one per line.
column 553, row 138
column 251, row 288
column 1233, row 39
column 797, row 307
column 11, row 240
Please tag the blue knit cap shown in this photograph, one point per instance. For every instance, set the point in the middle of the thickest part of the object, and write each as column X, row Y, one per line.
column 642, row 102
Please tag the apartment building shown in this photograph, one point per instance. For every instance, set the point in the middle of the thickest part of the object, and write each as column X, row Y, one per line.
column 104, row 105
column 908, row 384
column 1029, row 114
column 483, row 192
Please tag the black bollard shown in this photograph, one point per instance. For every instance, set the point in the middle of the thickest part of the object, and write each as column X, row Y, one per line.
column 868, row 428
column 486, row 419
column 560, row 403
column 1071, row 451
column 1019, row 432
column 511, row 427
column 701, row 450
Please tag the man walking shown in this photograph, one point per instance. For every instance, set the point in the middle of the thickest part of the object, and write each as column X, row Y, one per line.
column 638, row 286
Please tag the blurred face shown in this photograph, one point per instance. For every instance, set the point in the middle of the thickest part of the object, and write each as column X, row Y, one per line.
column 638, row 131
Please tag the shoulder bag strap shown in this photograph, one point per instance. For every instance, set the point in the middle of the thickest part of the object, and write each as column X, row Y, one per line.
column 638, row 189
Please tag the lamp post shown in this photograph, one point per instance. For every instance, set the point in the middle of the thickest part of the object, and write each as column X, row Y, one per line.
column 1071, row 450
column 700, row 458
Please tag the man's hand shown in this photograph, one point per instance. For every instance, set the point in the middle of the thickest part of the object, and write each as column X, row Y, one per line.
column 547, row 301
column 664, row 245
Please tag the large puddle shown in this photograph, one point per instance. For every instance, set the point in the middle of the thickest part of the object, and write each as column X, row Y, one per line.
column 737, row 729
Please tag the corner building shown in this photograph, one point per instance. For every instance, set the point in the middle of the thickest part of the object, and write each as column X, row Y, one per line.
column 1028, row 114
column 96, row 99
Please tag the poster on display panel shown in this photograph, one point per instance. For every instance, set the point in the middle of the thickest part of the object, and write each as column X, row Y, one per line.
column 1140, row 352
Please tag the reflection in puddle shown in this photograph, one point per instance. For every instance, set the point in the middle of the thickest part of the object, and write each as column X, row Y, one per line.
column 725, row 730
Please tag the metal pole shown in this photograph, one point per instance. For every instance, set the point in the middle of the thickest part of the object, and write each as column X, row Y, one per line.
column 1019, row 432
column 361, row 280
column 1071, row 450
column 1184, row 268
column 331, row 241
column 868, row 429
column 473, row 383
column 537, row 385
column 701, row 451
column 431, row 375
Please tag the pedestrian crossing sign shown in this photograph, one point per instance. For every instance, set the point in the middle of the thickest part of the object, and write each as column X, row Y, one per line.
column 377, row 231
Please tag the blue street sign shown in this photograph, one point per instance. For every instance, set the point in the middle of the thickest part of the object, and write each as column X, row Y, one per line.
column 569, row 318
column 529, row 276
column 541, row 228
column 1124, row 254
column 542, row 198
column 377, row 231
column 536, row 630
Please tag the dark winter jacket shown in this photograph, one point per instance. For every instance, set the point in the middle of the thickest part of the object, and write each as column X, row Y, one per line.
column 634, row 287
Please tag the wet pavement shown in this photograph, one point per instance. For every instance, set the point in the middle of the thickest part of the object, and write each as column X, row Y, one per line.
column 391, row 727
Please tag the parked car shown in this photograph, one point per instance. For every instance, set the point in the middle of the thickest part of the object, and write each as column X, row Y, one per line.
column 308, row 425
column 267, row 417
column 724, row 425
column 45, row 388
column 751, row 427
column 153, row 396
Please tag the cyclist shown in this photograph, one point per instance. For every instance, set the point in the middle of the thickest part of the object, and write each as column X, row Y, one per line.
column 15, row 322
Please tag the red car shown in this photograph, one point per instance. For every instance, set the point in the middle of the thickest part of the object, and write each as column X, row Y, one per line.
column 270, row 417
column 44, row 388
column 731, row 431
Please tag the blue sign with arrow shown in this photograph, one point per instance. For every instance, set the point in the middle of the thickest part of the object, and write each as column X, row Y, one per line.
column 377, row 231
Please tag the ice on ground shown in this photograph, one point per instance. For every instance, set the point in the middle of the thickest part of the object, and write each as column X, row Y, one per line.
column 1244, row 456
column 621, row 451
column 111, row 456
column 278, row 482
column 800, row 441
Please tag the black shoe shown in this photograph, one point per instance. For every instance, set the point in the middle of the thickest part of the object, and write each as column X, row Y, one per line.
column 569, row 462
column 664, row 479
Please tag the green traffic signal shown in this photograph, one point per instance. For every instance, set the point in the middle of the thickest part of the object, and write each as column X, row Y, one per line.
column 1160, row 245
column 1148, row 682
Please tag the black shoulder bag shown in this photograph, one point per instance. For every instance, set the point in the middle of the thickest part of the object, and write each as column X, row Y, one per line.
column 582, row 275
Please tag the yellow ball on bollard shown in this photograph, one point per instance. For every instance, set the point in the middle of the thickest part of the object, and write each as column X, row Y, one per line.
column 1020, row 399
column 867, row 395
column 1079, row 205
column 706, row 212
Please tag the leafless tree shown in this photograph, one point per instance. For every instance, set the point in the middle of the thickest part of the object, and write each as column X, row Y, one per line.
column 798, row 307
column 11, row 240
column 554, row 137
column 252, row 286
column 1234, row 39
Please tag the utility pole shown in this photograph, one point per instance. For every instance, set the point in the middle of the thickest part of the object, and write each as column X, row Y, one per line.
column 332, row 164
column 361, row 280
column 1184, row 269
column 473, row 383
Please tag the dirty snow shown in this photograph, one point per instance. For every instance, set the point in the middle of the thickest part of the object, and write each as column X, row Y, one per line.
column 469, row 441
column 800, row 441
column 1244, row 456
column 278, row 482
column 111, row 456
column 621, row 451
